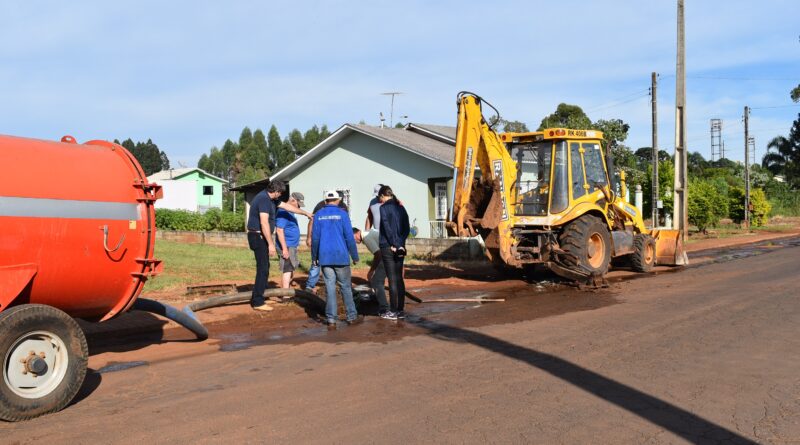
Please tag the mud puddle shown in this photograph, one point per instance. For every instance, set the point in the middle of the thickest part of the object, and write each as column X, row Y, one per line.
column 523, row 302
column 120, row 366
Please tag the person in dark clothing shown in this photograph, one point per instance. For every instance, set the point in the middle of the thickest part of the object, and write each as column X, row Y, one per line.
column 394, row 229
column 260, row 229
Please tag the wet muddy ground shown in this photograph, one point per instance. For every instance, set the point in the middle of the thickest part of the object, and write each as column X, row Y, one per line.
column 705, row 353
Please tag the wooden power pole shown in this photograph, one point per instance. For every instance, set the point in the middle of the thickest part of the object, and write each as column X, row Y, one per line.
column 747, row 167
column 655, row 196
column 681, row 220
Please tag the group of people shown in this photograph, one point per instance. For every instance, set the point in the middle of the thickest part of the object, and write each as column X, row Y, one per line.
column 273, row 229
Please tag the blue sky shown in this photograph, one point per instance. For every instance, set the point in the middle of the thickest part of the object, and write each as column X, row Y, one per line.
column 191, row 74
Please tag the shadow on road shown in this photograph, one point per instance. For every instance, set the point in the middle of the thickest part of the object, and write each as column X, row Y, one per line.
column 677, row 420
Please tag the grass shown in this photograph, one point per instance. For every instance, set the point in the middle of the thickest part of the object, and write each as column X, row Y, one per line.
column 193, row 264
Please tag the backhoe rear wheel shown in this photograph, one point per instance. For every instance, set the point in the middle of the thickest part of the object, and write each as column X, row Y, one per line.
column 588, row 240
column 643, row 257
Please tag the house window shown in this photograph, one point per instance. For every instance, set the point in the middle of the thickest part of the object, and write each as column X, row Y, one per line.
column 440, row 197
column 345, row 194
column 208, row 190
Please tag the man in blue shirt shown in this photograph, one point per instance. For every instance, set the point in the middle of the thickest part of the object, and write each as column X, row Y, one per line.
column 288, row 233
column 332, row 247
column 260, row 226
column 313, row 272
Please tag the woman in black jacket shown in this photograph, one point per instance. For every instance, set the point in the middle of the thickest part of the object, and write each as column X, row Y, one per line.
column 394, row 230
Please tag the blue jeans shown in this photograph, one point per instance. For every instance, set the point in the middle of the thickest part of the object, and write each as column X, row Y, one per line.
column 341, row 275
column 313, row 277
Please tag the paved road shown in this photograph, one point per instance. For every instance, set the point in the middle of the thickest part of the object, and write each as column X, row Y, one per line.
column 708, row 354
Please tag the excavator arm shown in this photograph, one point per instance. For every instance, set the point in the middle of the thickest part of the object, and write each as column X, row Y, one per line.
column 482, row 206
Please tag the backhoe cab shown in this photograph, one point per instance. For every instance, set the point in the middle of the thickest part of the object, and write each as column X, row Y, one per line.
column 547, row 198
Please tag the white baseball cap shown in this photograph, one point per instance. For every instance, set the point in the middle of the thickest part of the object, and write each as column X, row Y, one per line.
column 332, row 194
column 376, row 189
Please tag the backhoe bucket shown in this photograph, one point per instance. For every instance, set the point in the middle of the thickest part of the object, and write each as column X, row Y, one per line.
column 669, row 247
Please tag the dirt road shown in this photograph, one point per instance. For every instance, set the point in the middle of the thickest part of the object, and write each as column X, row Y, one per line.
column 705, row 354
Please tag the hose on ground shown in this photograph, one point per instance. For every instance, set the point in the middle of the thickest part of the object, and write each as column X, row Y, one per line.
column 243, row 297
column 186, row 320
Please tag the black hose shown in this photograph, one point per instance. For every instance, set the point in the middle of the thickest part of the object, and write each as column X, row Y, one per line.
column 186, row 320
column 243, row 297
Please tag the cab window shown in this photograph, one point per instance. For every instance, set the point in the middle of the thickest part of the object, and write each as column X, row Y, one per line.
column 593, row 160
column 560, row 197
column 576, row 160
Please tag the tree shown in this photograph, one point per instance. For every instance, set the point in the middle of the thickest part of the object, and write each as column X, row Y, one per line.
column 696, row 164
column 566, row 116
column 298, row 142
column 147, row 154
column 795, row 94
column 513, row 126
column 785, row 160
column 280, row 152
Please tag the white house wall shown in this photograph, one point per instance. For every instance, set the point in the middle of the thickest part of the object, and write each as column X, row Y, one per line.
column 358, row 162
column 178, row 195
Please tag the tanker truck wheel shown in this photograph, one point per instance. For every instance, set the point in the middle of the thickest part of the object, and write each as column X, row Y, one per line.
column 44, row 361
column 588, row 241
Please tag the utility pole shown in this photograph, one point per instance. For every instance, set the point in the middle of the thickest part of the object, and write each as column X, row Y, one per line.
column 654, row 195
column 681, row 220
column 746, row 167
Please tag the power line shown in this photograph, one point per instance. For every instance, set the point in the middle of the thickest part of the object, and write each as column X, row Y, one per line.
column 641, row 95
column 776, row 106
column 741, row 78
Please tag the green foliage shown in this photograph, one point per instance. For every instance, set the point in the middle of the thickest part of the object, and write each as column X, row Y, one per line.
column 784, row 200
column 147, row 153
column 256, row 156
column 566, row 116
column 758, row 200
column 213, row 219
column 707, row 204
column 513, row 126
column 795, row 94
column 785, row 160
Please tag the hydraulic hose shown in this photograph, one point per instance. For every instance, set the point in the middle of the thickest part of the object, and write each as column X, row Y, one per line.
column 189, row 322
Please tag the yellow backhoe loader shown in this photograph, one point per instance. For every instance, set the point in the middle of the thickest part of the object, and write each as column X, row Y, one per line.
column 548, row 197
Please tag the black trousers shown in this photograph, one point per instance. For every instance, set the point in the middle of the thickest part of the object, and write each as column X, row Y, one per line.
column 394, row 272
column 259, row 247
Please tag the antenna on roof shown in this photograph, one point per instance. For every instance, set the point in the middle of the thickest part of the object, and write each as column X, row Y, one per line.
column 391, row 110
column 383, row 119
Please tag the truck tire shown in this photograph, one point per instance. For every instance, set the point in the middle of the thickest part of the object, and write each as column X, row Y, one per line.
column 47, row 380
column 588, row 242
column 643, row 257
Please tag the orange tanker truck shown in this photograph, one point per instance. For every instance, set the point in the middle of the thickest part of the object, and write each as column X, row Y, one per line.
column 77, row 232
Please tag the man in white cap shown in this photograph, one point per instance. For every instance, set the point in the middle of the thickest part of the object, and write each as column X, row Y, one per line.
column 332, row 247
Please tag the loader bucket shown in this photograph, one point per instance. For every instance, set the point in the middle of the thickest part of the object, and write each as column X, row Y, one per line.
column 669, row 247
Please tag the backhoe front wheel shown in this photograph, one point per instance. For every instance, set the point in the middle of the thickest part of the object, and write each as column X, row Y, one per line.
column 588, row 242
column 44, row 356
column 643, row 257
